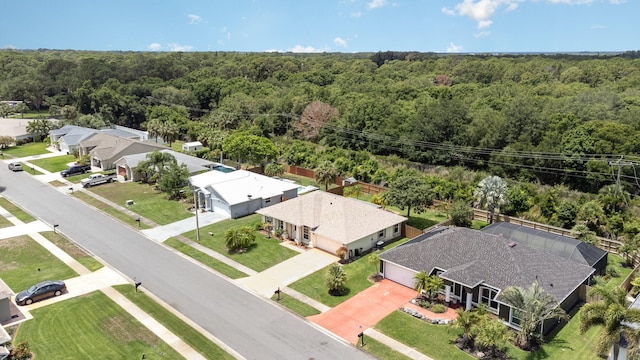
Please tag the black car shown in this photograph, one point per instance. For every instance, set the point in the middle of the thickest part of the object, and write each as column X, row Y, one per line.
column 40, row 291
column 75, row 170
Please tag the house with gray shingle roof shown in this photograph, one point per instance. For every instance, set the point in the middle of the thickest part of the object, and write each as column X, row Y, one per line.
column 476, row 266
column 104, row 149
column 126, row 165
column 67, row 138
column 329, row 221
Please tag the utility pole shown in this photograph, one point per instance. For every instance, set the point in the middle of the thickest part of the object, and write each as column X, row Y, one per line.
column 619, row 163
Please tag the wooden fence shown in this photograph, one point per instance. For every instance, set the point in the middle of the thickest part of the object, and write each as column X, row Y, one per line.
column 410, row 232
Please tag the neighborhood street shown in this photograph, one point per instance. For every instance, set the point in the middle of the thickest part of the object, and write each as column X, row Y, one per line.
column 254, row 327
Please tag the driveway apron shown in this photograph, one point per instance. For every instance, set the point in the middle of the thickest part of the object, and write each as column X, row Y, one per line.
column 365, row 309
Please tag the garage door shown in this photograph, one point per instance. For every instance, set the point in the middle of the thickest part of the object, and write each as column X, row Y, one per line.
column 220, row 207
column 398, row 274
column 327, row 245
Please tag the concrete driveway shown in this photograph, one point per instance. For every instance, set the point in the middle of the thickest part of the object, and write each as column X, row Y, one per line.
column 287, row 272
column 364, row 310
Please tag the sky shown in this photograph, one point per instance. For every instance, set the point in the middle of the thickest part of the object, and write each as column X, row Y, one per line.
column 312, row 26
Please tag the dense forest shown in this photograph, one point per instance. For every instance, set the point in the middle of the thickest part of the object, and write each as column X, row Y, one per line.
column 570, row 120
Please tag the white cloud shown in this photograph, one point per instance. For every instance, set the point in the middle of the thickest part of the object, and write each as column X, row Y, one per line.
column 453, row 48
column 194, row 19
column 376, row 4
column 483, row 10
column 154, row 47
column 340, row 42
column 10, row 47
column 356, row 14
column 481, row 34
column 307, row 49
column 178, row 47
column 598, row 27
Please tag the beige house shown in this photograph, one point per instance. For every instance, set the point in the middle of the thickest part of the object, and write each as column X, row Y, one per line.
column 328, row 222
column 105, row 149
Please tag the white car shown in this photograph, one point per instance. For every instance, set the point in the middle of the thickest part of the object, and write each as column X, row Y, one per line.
column 15, row 166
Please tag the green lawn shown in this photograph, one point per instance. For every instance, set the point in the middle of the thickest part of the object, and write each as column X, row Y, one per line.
column 382, row 351
column 16, row 211
column 4, row 222
column 424, row 220
column 435, row 341
column 113, row 212
column 29, row 149
column 263, row 255
column 618, row 263
column 205, row 259
column 148, row 202
column 54, row 164
column 73, row 250
column 188, row 334
column 23, row 262
column 357, row 280
column 30, row 170
column 295, row 305
column 303, row 181
column 57, row 183
column 90, row 327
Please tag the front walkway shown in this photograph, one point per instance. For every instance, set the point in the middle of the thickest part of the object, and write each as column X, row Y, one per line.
column 287, row 272
column 365, row 309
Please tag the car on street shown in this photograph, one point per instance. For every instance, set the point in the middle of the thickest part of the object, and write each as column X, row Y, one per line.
column 41, row 291
column 15, row 166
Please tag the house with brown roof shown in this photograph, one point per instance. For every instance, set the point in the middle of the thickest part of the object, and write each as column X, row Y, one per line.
column 105, row 149
column 476, row 267
column 328, row 222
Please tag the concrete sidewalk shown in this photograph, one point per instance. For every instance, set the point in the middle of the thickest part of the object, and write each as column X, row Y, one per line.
column 164, row 232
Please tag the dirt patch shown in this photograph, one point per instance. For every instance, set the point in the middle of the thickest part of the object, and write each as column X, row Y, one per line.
column 124, row 330
column 18, row 242
column 66, row 245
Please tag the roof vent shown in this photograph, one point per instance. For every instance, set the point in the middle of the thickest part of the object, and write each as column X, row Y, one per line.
column 512, row 244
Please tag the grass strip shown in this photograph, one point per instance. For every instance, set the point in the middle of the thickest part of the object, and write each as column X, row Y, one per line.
column 54, row 164
column 181, row 329
column 382, row 351
column 205, row 259
column 295, row 305
column 16, row 211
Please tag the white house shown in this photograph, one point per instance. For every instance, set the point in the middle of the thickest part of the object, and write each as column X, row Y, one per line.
column 328, row 222
column 192, row 146
column 239, row 193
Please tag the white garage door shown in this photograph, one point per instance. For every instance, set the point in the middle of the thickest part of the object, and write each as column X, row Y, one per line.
column 220, row 207
column 399, row 274
column 327, row 245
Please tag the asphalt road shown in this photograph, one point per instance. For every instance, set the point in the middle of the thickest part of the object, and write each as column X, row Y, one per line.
column 254, row 327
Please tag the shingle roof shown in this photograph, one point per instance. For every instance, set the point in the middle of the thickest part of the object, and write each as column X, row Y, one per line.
column 335, row 217
column 471, row 257
column 193, row 163
column 563, row 246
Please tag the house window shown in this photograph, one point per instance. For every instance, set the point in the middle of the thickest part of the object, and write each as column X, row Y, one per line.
column 396, row 228
column 267, row 200
column 486, row 297
column 280, row 224
column 381, row 234
column 516, row 317
column 305, row 232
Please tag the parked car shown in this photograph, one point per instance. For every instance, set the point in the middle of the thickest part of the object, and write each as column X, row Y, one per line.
column 41, row 291
column 75, row 170
column 15, row 166
column 97, row 179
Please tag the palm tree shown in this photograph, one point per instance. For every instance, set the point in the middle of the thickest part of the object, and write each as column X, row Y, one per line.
column 238, row 239
column 612, row 312
column 380, row 199
column 434, row 284
column 374, row 260
column 38, row 128
column 326, row 173
column 490, row 194
column 534, row 307
column 273, row 169
column 336, row 280
column 492, row 333
column 421, row 281
column 159, row 161
column 466, row 321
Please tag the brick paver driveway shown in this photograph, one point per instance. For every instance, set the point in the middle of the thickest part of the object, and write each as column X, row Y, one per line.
column 365, row 309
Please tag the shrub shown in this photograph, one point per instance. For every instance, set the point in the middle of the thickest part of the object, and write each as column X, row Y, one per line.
column 438, row 308
column 278, row 232
column 424, row 304
column 612, row 271
column 342, row 252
